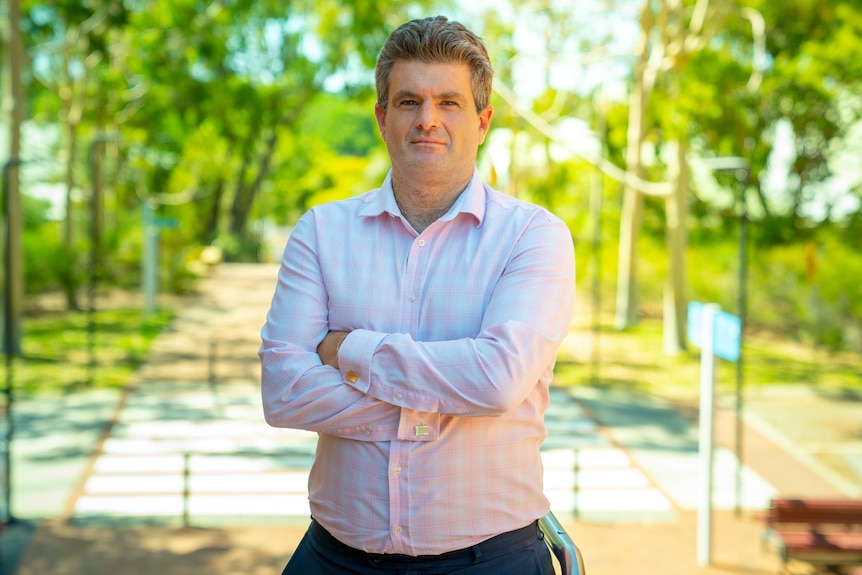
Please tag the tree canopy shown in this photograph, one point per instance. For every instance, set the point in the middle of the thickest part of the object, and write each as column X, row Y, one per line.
column 222, row 114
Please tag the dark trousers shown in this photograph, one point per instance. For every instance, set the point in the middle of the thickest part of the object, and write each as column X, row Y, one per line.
column 520, row 552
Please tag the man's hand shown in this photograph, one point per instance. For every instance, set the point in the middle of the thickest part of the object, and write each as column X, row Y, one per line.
column 328, row 348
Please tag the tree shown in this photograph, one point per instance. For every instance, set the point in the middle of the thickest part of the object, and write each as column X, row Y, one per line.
column 75, row 64
column 200, row 94
column 666, row 39
column 670, row 34
column 725, row 87
column 244, row 77
column 814, row 74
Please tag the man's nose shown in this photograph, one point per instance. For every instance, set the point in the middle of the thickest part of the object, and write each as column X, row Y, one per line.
column 427, row 116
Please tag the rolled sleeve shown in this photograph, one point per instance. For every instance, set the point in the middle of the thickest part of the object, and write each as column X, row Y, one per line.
column 354, row 357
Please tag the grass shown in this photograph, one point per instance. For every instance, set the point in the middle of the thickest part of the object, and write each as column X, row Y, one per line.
column 62, row 351
column 59, row 348
column 634, row 359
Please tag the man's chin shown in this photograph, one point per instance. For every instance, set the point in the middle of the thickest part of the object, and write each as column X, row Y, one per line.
column 436, row 160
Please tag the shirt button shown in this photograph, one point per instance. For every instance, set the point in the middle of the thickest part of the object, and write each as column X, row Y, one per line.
column 411, row 297
column 398, row 530
column 399, row 397
column 396, row 470
column 421, row 243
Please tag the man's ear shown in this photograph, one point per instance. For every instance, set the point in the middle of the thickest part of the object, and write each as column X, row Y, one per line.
column 380, row 114
column 485, row 122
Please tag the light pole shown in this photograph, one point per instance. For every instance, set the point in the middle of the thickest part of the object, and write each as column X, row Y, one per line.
column 741, row 169
column 10, row 343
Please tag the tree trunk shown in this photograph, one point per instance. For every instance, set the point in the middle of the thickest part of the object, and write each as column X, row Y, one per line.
column 674, row 296
column 245, row 195
column 13, row 99
column 70, row 284
column 632, row 210
column 211, row 226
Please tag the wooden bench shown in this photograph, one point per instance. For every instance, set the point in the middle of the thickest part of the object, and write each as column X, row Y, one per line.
column 825, row 533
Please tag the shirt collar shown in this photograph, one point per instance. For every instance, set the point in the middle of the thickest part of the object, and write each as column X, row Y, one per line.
column 471, row 201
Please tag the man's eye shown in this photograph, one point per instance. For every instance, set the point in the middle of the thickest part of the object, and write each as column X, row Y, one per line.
column 407, row 103
column 449, row 103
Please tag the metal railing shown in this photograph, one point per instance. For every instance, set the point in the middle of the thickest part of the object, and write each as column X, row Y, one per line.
column 562, row 546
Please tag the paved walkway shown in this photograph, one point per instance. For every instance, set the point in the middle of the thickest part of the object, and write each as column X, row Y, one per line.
column 190, row 479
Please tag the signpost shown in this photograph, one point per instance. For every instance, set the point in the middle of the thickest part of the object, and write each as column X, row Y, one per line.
column 150, row 263
column 718, row 334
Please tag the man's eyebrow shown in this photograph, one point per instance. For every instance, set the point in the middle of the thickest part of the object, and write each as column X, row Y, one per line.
column 453, row 95
column 401, row 94
column 409, row 94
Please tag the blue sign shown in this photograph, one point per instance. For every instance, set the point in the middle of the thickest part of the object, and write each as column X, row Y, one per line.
column 726, row 335
column 693, row 322
column 167, row 223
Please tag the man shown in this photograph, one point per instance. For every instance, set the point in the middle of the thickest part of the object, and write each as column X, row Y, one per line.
column 415, row 329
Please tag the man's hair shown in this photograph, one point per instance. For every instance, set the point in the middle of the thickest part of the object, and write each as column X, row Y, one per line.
column 436, row 40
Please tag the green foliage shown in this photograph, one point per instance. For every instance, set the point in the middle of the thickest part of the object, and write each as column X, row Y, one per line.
column 727, row 99
column 786, row 296
column 837, row 299
column 211, row 103
column 49, row 264
column 346, row 125
column 634, row 359
column 56, row 348
column 124, row 244
column 778, row 299
column 564, row 189
column 799, row 290
column 713, row 273
column 224, row 119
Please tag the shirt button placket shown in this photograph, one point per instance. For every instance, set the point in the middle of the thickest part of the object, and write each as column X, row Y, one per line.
column 397, row 493
column 412, row 297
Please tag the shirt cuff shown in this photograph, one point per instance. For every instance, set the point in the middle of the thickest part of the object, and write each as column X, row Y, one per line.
column 367, row 433
column 418, row 425
column 354, row 357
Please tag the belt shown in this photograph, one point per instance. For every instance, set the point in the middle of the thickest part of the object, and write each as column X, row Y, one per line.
column 499, row 544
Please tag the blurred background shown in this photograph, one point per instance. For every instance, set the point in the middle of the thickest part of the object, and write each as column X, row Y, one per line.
column 140, row 134
column 700, row 151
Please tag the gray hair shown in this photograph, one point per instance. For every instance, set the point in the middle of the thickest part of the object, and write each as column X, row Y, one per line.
column 436, row 40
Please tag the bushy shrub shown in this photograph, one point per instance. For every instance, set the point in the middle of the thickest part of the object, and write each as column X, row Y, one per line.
column 806, row 290
column 49, row 264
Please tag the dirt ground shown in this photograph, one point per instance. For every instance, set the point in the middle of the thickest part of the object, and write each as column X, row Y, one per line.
column 666, row 548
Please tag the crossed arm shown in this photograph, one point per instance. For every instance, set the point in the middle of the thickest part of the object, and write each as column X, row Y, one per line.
column 328, row 348
column 370, row 385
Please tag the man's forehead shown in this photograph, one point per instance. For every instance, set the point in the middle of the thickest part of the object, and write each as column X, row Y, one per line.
column 437, row 77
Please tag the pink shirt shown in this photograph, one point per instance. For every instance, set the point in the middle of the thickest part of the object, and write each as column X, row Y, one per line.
column 429, row 434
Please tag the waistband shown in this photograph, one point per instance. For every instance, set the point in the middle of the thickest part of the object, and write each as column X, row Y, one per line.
column 497, row 545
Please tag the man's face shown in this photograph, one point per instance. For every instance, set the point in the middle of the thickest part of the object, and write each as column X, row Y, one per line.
column 431, row 126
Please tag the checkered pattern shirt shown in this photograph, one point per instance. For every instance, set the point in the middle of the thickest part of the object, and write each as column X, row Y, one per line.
column 429, row 433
